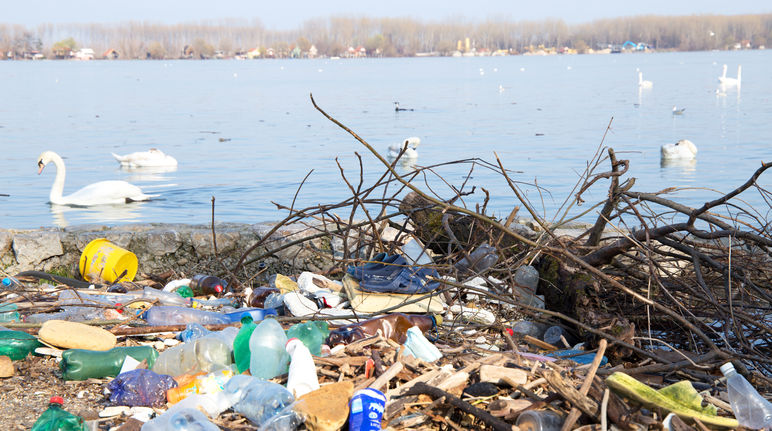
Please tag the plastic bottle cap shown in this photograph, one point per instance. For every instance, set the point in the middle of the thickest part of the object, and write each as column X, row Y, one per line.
column 218, row 288
column 293, row 338
column 56, row 400
column 727, row 368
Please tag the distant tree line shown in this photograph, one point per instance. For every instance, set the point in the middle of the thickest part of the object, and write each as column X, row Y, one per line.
column 388, row 37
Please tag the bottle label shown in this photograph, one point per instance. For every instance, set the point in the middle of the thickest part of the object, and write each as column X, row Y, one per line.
column 366, row 407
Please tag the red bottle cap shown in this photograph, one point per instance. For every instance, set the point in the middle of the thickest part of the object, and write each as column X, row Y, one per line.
column 56, row 400
column 510, row 332
column 288, row 341
column 218, row 288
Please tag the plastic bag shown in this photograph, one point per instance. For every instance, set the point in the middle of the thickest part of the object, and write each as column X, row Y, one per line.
column 140, row 388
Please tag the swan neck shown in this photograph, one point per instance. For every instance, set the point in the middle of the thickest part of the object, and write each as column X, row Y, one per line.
column 58, row 187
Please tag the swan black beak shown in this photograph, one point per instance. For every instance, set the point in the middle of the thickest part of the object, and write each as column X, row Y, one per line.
column 40, row 166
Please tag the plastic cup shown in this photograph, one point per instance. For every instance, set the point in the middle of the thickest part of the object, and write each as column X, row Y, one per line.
column 103, row 260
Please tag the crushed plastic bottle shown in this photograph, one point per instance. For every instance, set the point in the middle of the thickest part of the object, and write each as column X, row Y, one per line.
column 527, row 281
column 482, row 258
column 81, row 364
column 140, row 388
column 311, row 333
column 55, row 418
column 188, row 419
column 201, row 355
column 256, row 399
column 268, row 357
column 174, row 315
column 302, row 377
column 750, row 408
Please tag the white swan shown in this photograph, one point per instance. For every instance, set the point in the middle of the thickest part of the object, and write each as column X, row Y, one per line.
column 410, row 153
column 678, row 111
column 103, row 192
column 642, row 83
column 683, row 149
column 140, row 159
column 731, row 82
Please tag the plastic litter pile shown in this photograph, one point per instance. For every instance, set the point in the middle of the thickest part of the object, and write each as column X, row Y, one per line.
column 378, row 349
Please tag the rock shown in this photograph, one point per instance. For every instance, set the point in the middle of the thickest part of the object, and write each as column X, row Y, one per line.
column 75, row 335
column 35, row 247
column 6, row 367
column 326, row 409
column 162, row 242
column 131, row 425
column 482, row 389
column 499, row 375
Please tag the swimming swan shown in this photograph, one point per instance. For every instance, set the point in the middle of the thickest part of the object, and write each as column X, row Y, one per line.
column 410, row 152
column 103, row 192
column 731, row 82
column 683, row 149
column 151, row 158
column 642, row 83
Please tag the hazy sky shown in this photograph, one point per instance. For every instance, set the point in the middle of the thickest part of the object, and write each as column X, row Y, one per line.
column 289, row 15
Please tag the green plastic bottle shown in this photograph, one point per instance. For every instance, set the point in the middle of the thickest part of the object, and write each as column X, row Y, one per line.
column 241, row 343
column 17, row 344
column 9, row 313
column 185, row 291
column 57, row 419
column 80, row 364
column 311, row 333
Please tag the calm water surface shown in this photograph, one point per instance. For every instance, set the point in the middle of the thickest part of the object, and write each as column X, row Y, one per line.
column 246, row 132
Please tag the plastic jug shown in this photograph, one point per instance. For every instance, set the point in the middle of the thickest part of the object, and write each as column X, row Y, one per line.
column 268, row 358
column 393, row 326
column 202, row 355
column 311, row 333
column 81, row 364
column 55, row 418
column 750, row 408
column 256, row 399
column 302, row 377
column 241, row 344
column 140, row 388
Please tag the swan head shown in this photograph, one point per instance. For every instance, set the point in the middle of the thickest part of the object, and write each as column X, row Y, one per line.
column 412, row 142
column 683, row 149
column 45, row 158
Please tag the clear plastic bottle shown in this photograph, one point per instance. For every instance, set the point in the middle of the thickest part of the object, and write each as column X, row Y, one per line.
column 11, row 282
column 166, row 298
column 266, row 344
column 749, row 407
column 55, row 418
column 302, row 377
column 203, row 354
column 181, row 420
column 9, row 313
column 527, row 281
column 539, row 420
column 256, row 399
column 482, row 258
column 174, row 315
column 418, row 346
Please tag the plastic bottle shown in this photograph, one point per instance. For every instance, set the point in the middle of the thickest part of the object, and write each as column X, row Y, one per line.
column 184, row 291
column 526, row 327
column 203, row 284
column 311, row 333
column 241, row 353
column 418, row 346
column 204, row 354
column 11, row 282
column 257, row 314
column 256, row 399
column 393, row 326
column 181, row 420
column 17, row 344
column 57, row 419
column 482, row 258
column 9, row 313
column 268, row 358
column 539, row 420
column 205, row 384
column 175, row 315
column 527, row 281
column 81, row 364
column 553, row 333
column 258, row 296
column 166, row 298
column 302, row 377
column 750, row 408
column 140, row 387
column 194, row 331
column 366, row 409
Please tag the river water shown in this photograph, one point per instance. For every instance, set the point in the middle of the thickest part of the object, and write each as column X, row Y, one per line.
column 246, row 133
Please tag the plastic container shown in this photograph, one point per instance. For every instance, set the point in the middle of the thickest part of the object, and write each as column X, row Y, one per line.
column 366, row 410
column 205, row 384
column 55, row 418
column 80, row 364
column 256, row 399
column 393, row 326
column 202, row 284
column 140, row 388
column 165, row 298
column 188, row 419
column 175, row 315
column 526, row 283
column 268, row 357
column 257, row 314
column 539, row 420
column 9, row 313
column 418, row 346
column 750, row 409
column 257, row 298
column 205, row 354
column 482, row 258
column 17, row 344
column 302, row 377
column 311, row 333
column 102, row 260
column 241, row 354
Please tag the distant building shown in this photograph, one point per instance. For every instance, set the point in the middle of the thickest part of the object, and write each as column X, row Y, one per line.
column 84, row 54
column 313, row 52
column 110, row 54
column 253, row 53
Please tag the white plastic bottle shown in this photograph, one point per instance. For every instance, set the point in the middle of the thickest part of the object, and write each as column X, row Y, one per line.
column 750, row 408
column 417, row 345
column 302, row 377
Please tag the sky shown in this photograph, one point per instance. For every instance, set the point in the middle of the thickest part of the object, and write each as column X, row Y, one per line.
column 289, row 15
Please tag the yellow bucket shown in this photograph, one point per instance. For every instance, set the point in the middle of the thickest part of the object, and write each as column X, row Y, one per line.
column 103, row 260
